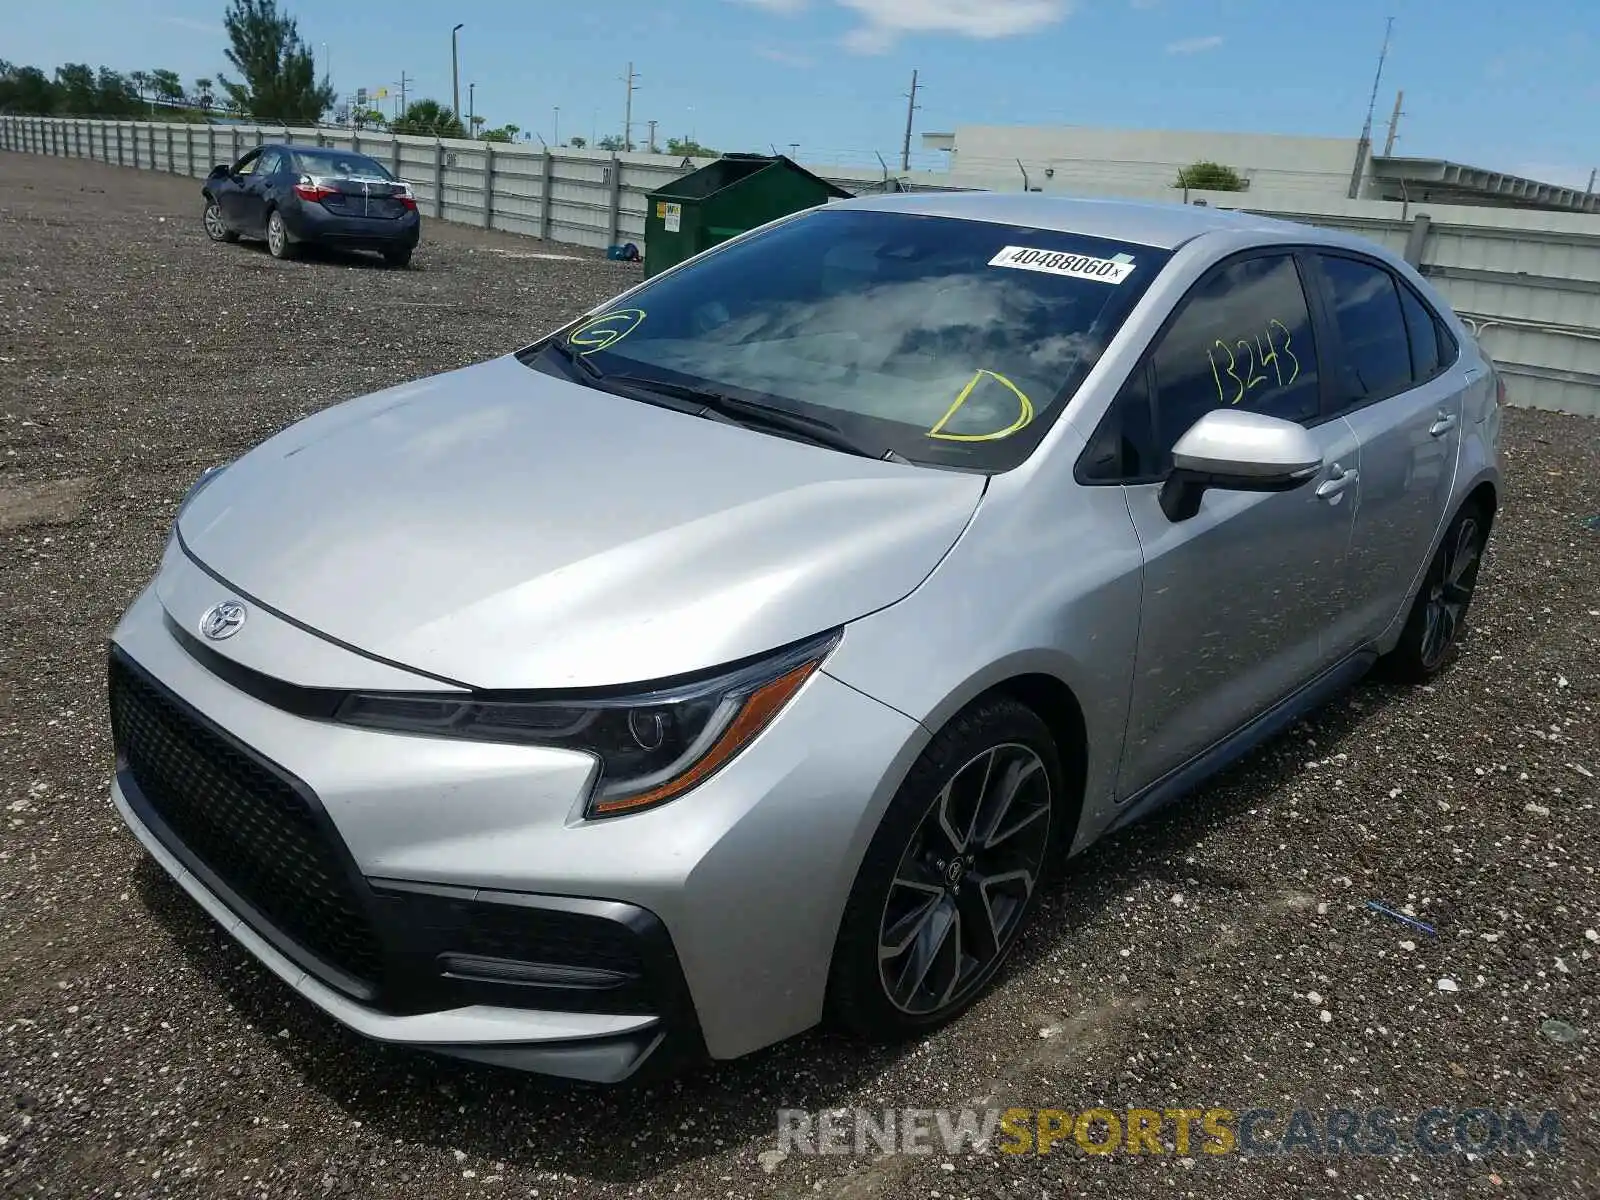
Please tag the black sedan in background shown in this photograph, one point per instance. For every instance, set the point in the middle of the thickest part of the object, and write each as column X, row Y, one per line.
column 294, row 194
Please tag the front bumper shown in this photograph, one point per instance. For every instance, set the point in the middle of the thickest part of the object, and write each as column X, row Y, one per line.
column 714, row 916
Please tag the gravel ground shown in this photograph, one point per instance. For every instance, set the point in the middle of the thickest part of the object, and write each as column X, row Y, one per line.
column 143, row 1054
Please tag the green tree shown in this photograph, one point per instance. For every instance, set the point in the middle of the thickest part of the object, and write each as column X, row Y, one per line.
column 76, row 90
column 611, row 141
column 430, row 118
column 689, row 147
column 204, row 95
column 578, row 143
column 506, row 133
column 166, row 85
column 368, row 118
column 141, row 84
column 280, row 82
column 27, row 90
column 1210, row 177
column 115, row 96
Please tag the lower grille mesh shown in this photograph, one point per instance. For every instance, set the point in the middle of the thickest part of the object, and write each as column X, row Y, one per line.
column 244, row 821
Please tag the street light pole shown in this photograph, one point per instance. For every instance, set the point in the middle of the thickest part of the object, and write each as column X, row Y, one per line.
column 472, row 110
column 555, row 133
column 455, row 75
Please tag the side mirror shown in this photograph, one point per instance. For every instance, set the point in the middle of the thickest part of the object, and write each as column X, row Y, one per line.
column 1237, row 451
column 221, row 169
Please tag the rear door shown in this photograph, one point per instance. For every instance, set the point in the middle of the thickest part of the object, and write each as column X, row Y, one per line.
column 1236, row 600
column 1399, row 388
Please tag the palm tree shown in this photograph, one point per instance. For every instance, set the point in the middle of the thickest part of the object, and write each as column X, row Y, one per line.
column 141, row 83
column 430, row 117
column 203, row 95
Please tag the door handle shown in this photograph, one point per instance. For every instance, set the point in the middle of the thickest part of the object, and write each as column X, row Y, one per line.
column 1442, row 426
column 1335, row 485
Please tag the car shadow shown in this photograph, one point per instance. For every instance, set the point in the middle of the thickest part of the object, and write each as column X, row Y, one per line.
column 597, row 1133
column 315, row 254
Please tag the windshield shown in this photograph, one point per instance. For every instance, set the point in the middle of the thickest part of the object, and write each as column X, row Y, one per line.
column 947, row 341
column 339, row 165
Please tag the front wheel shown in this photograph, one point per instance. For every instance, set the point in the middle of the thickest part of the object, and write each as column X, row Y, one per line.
column 216, row 227
column 278, row 243
column 952, row 874
column 1439, row 612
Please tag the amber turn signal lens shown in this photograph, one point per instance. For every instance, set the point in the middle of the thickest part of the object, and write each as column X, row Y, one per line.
column 755, row 715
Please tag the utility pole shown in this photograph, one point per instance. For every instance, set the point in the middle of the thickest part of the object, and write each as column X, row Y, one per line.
column 653, row 125
column 403, row 82
column 555, row 134
column 455, row 75
column 627, row 113
column 1588, row 192
column 1364, row 146
column 1394, row 123
column 911, row 116
column 472, row 110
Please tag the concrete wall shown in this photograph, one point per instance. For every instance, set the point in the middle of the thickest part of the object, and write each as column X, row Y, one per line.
column 1084, row 158
column 1527, row 282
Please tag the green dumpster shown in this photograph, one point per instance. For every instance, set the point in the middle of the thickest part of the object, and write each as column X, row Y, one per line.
column 723, row 199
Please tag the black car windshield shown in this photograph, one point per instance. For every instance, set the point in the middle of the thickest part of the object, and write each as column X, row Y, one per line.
column 950, row 342
column 339, row 165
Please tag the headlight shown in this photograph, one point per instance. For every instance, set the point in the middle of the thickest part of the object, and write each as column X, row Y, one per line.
column 652, row 747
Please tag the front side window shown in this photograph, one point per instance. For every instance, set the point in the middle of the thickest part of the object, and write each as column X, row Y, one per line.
column 1376, row 362
column 247, row 165
column 1242, row 340
column 950, row 342
column 271, row 163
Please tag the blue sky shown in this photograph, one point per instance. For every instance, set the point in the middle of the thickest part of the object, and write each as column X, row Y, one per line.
column 1507, row 86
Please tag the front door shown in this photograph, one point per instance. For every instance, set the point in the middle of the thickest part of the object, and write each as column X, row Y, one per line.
column 253, row 203
column 1403, row 397
column 232, row 198
column 1237, row 601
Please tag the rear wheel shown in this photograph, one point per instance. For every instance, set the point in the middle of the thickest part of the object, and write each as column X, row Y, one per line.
column 397, row 258
column 1439, row 612
column 216, row 228
column 278, row 243
column 952, row 874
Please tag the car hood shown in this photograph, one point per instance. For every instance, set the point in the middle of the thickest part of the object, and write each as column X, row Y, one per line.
column 504, row 528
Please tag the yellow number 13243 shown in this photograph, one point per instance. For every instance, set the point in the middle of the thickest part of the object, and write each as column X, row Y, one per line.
column 1253, row 355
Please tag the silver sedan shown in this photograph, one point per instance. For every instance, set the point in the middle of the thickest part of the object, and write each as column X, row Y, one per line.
column 749, row 651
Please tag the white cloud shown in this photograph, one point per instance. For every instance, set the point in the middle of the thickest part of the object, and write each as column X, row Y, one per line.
column 1195, row 45
column 884, row 22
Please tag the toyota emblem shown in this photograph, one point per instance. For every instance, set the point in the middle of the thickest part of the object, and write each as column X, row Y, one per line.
column 222, row 621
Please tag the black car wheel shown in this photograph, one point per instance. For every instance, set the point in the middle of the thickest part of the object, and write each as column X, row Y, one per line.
column 951, row 875
column 397, row 258
column 278, row 243
column 217, row 228
column 1439, row 612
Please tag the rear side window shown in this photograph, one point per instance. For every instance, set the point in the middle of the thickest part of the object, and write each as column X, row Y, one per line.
column 1376, row 362
column 1242, row 340
column 1422, row 329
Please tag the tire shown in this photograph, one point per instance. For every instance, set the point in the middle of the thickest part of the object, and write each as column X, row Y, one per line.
column 1439, row 612
column 216, row 228
column 278, row 243
column 921, row 891
column 397, row 258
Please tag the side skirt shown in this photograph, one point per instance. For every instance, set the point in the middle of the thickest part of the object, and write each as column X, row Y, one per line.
column 1181, row 781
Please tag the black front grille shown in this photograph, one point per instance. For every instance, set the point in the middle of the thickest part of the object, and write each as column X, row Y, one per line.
column 246, row 823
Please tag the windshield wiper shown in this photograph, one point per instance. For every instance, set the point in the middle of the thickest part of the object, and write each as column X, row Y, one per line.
column 567, row 354
column 721, row 406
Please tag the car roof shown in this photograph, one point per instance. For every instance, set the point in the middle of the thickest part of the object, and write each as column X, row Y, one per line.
column 1163, row 226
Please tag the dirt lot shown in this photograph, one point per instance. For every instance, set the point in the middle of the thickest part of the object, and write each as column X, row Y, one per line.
column 143, row 1054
